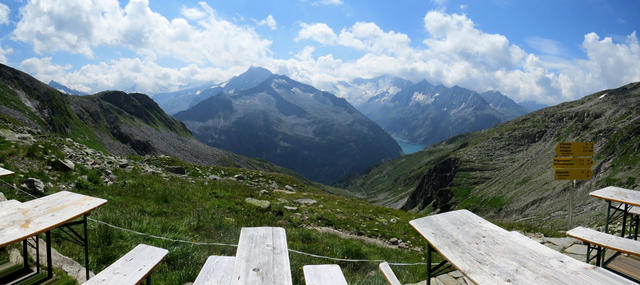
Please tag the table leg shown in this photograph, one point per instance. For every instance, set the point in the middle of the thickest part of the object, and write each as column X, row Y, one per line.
column 37, row 254
column 47, row 236
column 624, row 219
column 606, row 223
column 25, row 255
column 428, row 264
column 86, row 248
column 635, row 235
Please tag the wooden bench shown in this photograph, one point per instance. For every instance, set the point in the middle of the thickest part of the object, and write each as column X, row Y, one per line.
column 602, row 240
column 388, row 274
column 325, row 274
column 262, row 257
column 216, row 270
column 132, row 268
column 488, row 254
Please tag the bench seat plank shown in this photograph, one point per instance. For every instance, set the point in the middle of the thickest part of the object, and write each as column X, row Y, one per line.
column 388, row 274
column 617, row 194
column 325, row 274
column 262, row 257
column 616, row 243
column 488, row 254
column 216, row 270
column 132, row 268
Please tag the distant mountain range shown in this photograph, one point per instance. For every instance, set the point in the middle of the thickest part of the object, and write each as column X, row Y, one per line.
column 423, row 113
column 505, row 172
column 291, row 124
column 65, row 89
column 111, row 121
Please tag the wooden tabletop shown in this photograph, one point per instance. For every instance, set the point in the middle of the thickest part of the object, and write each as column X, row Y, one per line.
column 488, row 254
column 42, row 214
column 4, row 172
column 617, row 194
column 262, row 258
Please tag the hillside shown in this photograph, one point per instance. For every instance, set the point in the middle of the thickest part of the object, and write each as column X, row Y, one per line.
column 112, row 121
column 424, row 114
column 163, row 196
column 290, row 124
column 505, row 172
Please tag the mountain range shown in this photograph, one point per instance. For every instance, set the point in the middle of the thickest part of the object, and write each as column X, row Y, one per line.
column 275, row 118
column 425, row 114
column 110, row 121
column 505, row 172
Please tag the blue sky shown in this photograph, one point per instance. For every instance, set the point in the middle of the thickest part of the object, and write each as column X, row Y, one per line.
column 544, row 51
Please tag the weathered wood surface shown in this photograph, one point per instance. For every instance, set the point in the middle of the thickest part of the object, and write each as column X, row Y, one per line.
column 4, row 172
column 42, row 214
column 325, row 274
column 617, row 194
column 216, row 270
column 388, row 274
column 132, row 268
column 8, row 206
column 606, row 240
column 488, row 254
column 262, row 257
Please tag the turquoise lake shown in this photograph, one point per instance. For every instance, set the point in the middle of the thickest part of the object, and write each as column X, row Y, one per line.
column 409, row 148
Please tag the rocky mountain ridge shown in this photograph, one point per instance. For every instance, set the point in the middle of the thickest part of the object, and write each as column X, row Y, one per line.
column 505, row 171
column 290, row 124
column 112, row 121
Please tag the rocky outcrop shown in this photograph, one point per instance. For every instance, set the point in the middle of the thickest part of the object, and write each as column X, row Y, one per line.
column 432, row 188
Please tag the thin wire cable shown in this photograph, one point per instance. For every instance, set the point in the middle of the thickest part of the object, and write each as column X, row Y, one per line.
column 228, row 244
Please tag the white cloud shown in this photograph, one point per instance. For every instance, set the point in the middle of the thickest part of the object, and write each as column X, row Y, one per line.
column 79, row 26
column 327, row 2
column 4, row 14
column 369, row 37
column 3, row 54
column 319, row 32
column 125, row 73
column 545, row 46
column 269, row 21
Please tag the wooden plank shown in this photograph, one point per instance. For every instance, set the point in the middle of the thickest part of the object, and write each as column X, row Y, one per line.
column 8, row 206
column 388, row 274
column 40, row 215
column 262, row 257
column 325, row 274
column 216, row 270
column 617, row 194
column 4, row 172
column 606, row 240
column 132, row 268
column 488, row 254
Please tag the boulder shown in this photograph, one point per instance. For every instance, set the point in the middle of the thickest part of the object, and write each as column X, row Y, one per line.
column 289, row 188
column 264, row 204
column 394, row 241
column 176, row 169
column 2, row 197
column 306, row 201
column 238, row 177
column 291, row 208
column 34, row 185
column 64, row 165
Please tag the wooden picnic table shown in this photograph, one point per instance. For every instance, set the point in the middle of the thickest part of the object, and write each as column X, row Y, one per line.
column 41, row 215
column 627, row 198
column 488, row 254
column 262, row 257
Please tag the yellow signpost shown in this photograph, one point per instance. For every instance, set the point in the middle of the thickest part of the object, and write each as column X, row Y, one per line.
column 574, row 149
column 573, row 174
column 573, row 162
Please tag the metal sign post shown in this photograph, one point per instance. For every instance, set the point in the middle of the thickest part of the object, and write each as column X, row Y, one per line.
column 573, row 162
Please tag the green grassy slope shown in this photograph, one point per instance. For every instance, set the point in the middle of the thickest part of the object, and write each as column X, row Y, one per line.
column 201, row 207
column 505, row 172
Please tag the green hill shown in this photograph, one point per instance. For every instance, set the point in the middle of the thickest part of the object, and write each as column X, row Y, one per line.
column 505, row 172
